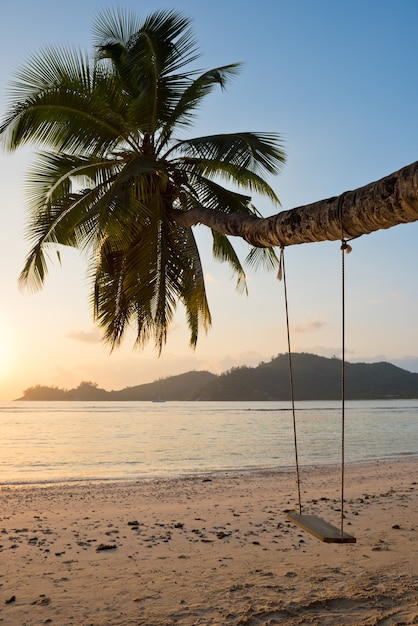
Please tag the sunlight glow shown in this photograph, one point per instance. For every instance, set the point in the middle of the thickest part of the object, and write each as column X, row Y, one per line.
column 5, row 350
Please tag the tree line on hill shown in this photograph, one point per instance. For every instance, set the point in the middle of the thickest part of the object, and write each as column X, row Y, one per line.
column 315, row 378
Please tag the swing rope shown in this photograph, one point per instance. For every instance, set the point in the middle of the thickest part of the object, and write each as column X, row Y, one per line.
column 345, row 248
column 282, row 273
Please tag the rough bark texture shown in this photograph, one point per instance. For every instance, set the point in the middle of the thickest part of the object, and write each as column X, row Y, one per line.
column 385, row 203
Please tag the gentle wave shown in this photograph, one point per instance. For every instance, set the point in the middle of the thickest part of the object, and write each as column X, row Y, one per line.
column 45, row 442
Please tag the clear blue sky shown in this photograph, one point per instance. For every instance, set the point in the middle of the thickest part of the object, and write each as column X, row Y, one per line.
column 339, row 82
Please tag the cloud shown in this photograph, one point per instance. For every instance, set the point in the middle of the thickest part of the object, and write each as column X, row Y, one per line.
column 409, row 363
column 327, row 351
column 92, row 336
column 307, row 327
column 394, row 296
column 209, row 278
column 249, row 358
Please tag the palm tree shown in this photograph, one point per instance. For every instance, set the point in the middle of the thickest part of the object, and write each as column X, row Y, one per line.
column 115, row 179
column 112, row 173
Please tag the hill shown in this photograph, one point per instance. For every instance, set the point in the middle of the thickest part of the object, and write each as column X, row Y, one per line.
column 315, row 378
column 181, row 387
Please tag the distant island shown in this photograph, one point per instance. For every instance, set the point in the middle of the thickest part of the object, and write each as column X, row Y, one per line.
column 315, row 378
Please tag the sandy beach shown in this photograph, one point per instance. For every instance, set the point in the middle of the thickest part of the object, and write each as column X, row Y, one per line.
column 212, row 549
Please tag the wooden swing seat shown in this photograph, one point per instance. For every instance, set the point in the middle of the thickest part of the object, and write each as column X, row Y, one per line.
column 319, row 528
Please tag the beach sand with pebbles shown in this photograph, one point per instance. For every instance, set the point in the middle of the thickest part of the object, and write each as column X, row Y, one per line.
column 212, row 549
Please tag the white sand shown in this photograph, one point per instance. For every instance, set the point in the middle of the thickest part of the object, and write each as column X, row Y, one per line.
column 212, row 550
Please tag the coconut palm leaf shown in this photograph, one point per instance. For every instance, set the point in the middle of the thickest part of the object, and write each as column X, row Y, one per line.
column 258, row 152
column 185, row 110
column 223, row 251
column 241, row 176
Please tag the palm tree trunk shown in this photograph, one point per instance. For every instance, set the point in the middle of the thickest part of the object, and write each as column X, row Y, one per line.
column 385, row 203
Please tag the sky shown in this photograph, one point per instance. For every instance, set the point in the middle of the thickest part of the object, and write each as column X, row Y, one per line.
column 338, row 81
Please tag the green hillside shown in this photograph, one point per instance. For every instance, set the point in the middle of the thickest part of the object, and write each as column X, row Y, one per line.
column 181, row 387
column 315, row 378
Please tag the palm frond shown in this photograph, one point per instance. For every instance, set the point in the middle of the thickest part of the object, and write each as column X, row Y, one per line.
column 109, row 208
column 147, row 58
column 210, row 194
column 240, row 176
column 262, row 258
column 130, row 288
column 186, row 106
column 258, row 152
column 167, row 36
column 115, row 27
column 35, row 269
column 223, row 251
column 62, row 101
column 49, row 68
column 186, row 275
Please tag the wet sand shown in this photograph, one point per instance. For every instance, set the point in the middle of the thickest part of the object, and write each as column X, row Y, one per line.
column 212, row 549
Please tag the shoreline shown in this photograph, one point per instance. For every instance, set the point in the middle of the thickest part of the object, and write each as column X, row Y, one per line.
column 212, row 549
column 174, row 476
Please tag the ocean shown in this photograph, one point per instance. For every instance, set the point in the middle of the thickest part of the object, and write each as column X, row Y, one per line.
column 46, row 442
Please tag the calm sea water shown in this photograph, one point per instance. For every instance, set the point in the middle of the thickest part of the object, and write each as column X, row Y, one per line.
column 67, row 441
